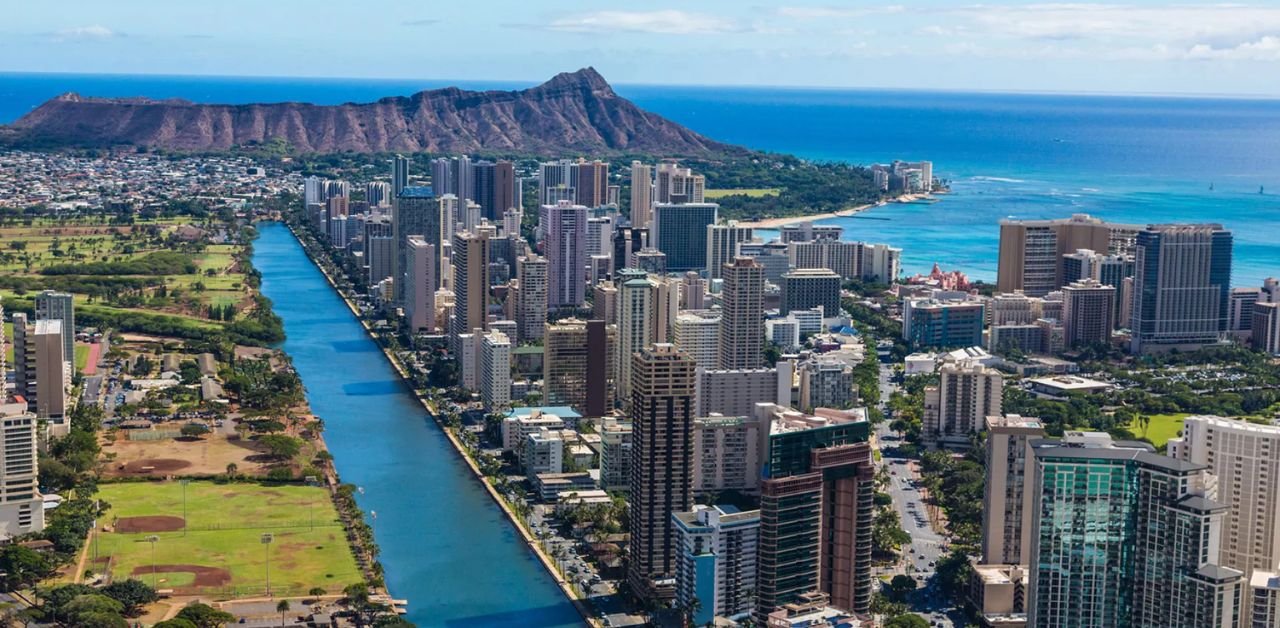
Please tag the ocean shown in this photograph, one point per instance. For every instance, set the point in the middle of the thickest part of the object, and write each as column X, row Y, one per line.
column 1136, row 159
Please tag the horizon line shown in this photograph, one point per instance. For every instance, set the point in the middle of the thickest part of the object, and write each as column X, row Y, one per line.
column 827, row 88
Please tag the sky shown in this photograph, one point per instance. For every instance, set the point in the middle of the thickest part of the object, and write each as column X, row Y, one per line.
column 1138, row 46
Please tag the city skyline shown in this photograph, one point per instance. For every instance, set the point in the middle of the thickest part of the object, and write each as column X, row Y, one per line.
column 1143, row 46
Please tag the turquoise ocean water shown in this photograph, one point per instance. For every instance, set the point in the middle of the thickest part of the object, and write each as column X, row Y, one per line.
column 1126, row 158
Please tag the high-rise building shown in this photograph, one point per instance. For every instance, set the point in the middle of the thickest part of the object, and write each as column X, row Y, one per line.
column 641, row 195
column 674, row 184
column 722, row 245
column 420, row 285
column 21, row 505
column 881, row 263
column 615, row 455
column 59, row 306
column 1181, row 285
column 651, row 261
column 1007, row 496
column 680, row 231
column 809, row 232
column 735, row 392
column 1265, row 332
column 379, row 247
column 1245, row 458
column 772, row 256
column 470, row 282
column 627, row 242
column 693, row 292
column 845, row 259
column 399, row 176
column 41, row 369
column 484, row 186
column 815, row 508
column 943, row 324
column 826, row 383
column 1031, row 251
column 742, row 315
column 555, row 182
column 377, row 194
column 495, row 371
column 1123, row 536
column 966, row 393
column 591, row 183
column 531, row 301
column 1088, row 309
column 417, row 212
column 661, row 410
column 604, row 302
column 807, row 288
column 717, row 561
column 697, row 335
column 564, row 232
column 636, row 311
column 506, row 189
column 579, row 365
column 314, row 191
column 726, row 454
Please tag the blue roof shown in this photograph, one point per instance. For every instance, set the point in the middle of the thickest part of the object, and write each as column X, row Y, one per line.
column 844, row 329
column 417, row 191
column 564, row 412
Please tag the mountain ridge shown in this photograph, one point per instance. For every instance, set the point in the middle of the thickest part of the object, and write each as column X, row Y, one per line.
column 573, row 112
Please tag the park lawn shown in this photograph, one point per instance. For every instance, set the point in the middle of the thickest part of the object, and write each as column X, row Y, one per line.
column 225, row 527
column 1161, row 429
column 751, row 192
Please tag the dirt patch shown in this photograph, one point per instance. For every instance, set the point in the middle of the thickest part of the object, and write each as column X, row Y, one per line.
column 205, row 576
column 150, row 523
column 156, row 465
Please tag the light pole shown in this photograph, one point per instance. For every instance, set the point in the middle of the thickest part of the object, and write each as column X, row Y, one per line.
column 185, row 482
column 152, row 540
column 267, row 538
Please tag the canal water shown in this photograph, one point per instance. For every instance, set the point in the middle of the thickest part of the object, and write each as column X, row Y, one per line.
column 447, row 548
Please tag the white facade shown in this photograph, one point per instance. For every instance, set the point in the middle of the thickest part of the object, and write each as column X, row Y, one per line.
column 495, row 370
column 697, row 335
column 21, row 505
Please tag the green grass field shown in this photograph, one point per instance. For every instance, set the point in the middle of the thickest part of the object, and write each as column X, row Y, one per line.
column 1161, row 429
column 752, row 192
column 225, row 524
column 82, row 356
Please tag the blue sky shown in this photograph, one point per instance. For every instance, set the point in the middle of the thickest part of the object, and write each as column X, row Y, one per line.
column 1135, row 46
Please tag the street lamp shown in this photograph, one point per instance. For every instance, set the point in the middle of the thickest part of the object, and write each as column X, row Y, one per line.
column 267, row 538
column 152, row 540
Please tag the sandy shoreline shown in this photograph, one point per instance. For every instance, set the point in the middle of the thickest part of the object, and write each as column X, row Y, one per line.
column 777, row 223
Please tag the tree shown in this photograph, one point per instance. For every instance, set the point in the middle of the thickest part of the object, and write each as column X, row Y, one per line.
column 205, row 616
column 280, row 446
column 910, row 620
column 176, row 622
column 194, row 430
column 900, row 587
column 132, row 593
column 282, row 607
column 316, row 591
column 22, row 567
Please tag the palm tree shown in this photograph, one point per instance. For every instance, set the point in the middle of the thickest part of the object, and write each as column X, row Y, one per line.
column 282, row 607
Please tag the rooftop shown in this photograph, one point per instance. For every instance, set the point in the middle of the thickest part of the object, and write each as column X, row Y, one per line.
column 789, row 420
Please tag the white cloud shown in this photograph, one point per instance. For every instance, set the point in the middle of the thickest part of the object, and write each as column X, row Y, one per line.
column 666, row 22
column 95, row 31
column 822, row 13
column 1266, row 48
column 1120, row 21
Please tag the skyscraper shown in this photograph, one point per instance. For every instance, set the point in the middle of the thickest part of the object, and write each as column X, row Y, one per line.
column 555, row 182
column 1181, row 287
column 506, row 193
column 717, row 566
column 815, row 508
column 420, row 285
column 697, row 335
column 1125, row 537
column 680, row 231
column 579, row 365
column 495, row 371
column 966, row 393
column 377, row 194
column 641, row 195
column 591, row 183
column 531, row 301
column 470, row 282
column 722, row 245
column 1088, row 312
column 21, row 505
column 636, row 309
column 41, row 369
column 564, row 233
column 1265, row 335
column 417, row 212
column 661, row 413
column 1032, row 251
column 1007, row 496
column 399, row 175
column 742, row 315
column 59, row 306
column 807, row 288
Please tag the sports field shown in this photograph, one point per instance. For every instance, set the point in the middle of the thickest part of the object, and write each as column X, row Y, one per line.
column 221, row 553
column 1161, row 428
column 751, row 192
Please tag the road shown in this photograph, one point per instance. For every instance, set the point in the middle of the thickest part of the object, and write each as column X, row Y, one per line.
column 927, row 544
